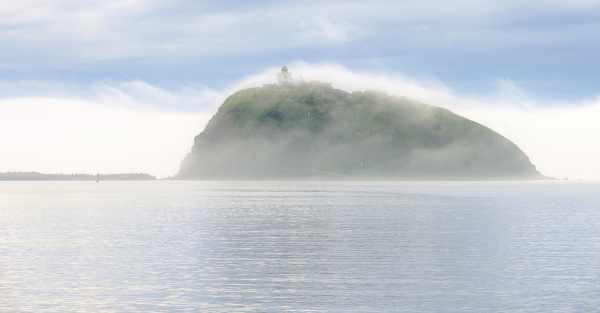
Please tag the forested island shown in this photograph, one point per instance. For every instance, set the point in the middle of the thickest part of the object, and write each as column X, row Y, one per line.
column 319, row 132
column 35, row 176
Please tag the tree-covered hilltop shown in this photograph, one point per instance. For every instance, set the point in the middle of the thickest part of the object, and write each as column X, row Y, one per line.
column 287, row 133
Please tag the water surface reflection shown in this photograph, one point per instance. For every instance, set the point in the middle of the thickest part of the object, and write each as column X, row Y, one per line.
column 285, row 246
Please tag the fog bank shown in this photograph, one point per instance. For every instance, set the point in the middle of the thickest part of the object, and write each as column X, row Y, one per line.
column 74, row 136
column 560, row 138
column 133, row 126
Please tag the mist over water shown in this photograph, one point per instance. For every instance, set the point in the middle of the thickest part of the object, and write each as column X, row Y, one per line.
column 302, row 132
column 133, row 126
column 556, row 135
column 56, row 136
column 284, row 246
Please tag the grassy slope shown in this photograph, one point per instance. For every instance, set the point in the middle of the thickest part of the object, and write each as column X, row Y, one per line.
column 269, row 132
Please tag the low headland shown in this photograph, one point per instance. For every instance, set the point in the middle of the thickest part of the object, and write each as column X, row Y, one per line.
column 35, row 176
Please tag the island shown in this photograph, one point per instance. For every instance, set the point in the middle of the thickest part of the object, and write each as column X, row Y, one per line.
column 308, row 130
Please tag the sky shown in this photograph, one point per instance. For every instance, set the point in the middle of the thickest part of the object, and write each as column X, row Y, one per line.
column 124, row 86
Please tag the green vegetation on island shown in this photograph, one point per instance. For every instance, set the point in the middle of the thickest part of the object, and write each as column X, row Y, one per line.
column 323, row 132
column 35, row 176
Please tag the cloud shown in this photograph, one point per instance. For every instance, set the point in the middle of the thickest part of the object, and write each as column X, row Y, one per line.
column 328, row 33
column 52, row 135
column 109, row 127
column 545, row 46
column 560, row 140
column 420, row 28
column 140, row 95
column 115, row 29
column 131, row 94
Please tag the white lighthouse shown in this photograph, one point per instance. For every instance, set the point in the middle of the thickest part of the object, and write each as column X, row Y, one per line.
column 284, row 77
column 285, row 81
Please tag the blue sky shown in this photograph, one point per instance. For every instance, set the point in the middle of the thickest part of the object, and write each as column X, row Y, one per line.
column 548, row 48
column 183, row 57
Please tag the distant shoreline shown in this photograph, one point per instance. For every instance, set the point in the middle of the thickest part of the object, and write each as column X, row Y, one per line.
column 36, row 176
column 366, row 178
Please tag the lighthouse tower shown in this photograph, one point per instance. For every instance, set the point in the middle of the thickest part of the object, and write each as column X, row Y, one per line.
column 284, row 77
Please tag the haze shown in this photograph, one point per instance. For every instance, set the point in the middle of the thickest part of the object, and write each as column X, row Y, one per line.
column 124, row 86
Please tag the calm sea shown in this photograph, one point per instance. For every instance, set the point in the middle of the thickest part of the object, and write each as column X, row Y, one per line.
column 168, row 246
